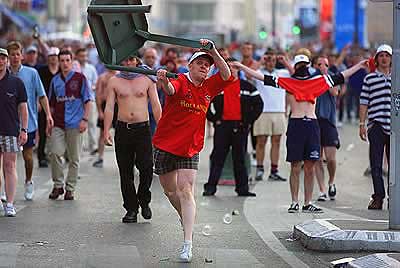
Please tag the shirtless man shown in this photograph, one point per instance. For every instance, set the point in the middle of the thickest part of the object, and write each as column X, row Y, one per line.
column 101, row 98
column 133, row 146
column 303, row 134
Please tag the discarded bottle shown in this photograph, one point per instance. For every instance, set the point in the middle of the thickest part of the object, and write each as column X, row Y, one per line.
column 206, row 231
column 227, row 218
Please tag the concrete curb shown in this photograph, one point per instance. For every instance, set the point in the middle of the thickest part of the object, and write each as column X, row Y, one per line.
column 373, row 261
column 322, row 235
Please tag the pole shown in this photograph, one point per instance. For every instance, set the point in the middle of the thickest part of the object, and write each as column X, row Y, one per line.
column 394, row 184
column 273, row 10
column 356, row 19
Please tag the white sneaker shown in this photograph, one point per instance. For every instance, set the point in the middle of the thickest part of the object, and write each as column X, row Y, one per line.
column 29, row 191
column 186, row 252
column 9, row 210
column 3, row 197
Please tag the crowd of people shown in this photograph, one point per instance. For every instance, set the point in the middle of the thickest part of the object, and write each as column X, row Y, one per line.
column 57, row 98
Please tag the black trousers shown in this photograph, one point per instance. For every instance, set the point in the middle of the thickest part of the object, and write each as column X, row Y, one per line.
column 133, row 147
column 229, row 134
column 379, row 142
column 42, row 136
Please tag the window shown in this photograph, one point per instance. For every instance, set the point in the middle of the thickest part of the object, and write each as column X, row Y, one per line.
column 196, row 12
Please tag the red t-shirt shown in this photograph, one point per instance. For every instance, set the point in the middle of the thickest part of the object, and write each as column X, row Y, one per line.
column 232, row 101
column 181, row 127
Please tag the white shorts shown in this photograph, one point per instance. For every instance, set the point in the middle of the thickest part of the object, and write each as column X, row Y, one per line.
column 270, row 124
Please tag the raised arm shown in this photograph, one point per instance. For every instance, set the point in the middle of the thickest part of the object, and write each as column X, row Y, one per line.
column 250, row 72
column 218, row 60
column 165, row 84
column 349, row 72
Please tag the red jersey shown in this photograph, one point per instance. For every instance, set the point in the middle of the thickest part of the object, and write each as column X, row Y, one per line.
column 232, row 109
column 305, row 89
column 180, row 130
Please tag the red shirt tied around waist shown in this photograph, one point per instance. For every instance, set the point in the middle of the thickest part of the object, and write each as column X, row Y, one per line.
column 232, row 109
column 180, row 130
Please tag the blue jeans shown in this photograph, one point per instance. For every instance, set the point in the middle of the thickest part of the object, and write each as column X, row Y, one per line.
column 379, row 142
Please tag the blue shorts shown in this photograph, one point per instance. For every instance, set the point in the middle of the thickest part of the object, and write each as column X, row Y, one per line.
column 303, row 140
column 31, row 140
column 329, row 134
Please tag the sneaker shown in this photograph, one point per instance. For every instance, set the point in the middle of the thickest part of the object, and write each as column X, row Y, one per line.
column 55, row 193
column 69, row 195
column 29, row 191
column 186, row 252
column 310, row 208
column 375, row 204
column 9, row 210
column 43, row 163
column 250, row 194
column 322, row 197
column 294, row 208
column 98, row 163
column 276, row 177
column 332, row 192
column 3, row 198
column 259, row 175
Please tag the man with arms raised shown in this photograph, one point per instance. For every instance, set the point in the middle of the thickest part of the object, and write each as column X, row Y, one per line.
column 303, row 134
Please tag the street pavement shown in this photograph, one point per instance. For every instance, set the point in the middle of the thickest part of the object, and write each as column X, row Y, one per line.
column 88, row 232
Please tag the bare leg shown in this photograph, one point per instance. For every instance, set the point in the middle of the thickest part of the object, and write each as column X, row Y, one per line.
column 260, row 149
column 27, row 153
column 168, row 182
column 101, row 145
column 185, row 191
column 330, row 153
column 319, row 173
column 295, row 170
column 275, row 145
column 10, row 175
column 308, row 180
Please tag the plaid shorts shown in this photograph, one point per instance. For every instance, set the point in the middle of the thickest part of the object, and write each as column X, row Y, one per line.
column 9, row 144
column 166, row 162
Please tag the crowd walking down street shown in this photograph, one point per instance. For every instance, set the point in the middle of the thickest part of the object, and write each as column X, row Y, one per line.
column 160, row 146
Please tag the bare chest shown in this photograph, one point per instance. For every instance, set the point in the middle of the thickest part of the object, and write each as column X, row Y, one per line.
column 128, row 89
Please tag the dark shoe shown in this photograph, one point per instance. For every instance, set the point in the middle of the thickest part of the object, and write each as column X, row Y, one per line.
column 332, row 192
column 375, row 204
column 98, row 163
column 311, row 209
column 294, row 208
column 94, row 152
column 130, row 217
column 276, row 177
column 56, row 193
column 69, row 195
column 208, row 193
column 246, row 194
column 146, row 212
column 43, row 163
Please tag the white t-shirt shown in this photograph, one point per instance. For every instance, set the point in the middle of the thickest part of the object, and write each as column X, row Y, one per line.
column 274, row 98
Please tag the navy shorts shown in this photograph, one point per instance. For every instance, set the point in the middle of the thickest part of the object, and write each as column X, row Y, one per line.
column 31, row 141
column 329, row 134
column 303, row 140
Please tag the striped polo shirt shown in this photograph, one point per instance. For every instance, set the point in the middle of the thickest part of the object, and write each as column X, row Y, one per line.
column 376, row 93
column 67, row 97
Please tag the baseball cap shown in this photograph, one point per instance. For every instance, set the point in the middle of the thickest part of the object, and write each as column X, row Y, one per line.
column 201, row 54
column 3, row 51
column 301, row 58
column 31, row 48
column 53, row 51
column 384, row 48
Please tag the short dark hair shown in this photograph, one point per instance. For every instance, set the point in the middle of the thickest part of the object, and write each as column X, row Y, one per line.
column 79, row 50
column 270, row 51
column 65, row 52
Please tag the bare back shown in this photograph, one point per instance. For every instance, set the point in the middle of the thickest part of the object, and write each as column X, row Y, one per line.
column 132, row 98
column 101, row 90
column 300, row 109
